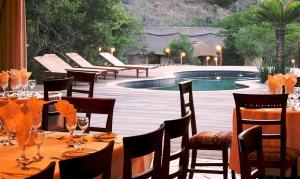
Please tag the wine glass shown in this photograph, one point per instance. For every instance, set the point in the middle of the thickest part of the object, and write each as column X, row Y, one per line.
column 83, row 124
column 4, row 85
column 23, row 138
column 14, row 84
column 71, row 126
column 39, row 136
column 36, row 123
column 24, row 85
column 31, row 84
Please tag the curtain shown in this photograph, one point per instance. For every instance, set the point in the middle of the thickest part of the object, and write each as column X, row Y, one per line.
column 13, row 46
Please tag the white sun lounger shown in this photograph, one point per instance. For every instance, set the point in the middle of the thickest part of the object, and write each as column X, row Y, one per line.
column 83, row 63
column 117, row 63
column 56, row 65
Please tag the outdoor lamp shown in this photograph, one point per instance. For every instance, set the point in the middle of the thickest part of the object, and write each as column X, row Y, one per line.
column 219, row 50
column 112, row 50
column 168, row 52
column 182, row 55
column 99, row 49
column 216, row 60
column 293, row 62
column 207, row 59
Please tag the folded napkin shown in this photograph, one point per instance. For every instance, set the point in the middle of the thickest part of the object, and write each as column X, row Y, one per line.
column 67, row 110
column 23, row 127
column 4, row 76
column 276, row 82
column 290, row 82
column 9, row 114
column 24, row 76
column 34, row 108
column 15, row 76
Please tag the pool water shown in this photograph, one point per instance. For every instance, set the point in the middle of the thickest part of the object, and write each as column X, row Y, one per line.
column 202, row 81
column 207, row 84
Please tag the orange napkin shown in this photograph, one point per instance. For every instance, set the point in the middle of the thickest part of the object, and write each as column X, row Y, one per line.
column 275, row 83
column 15, row 76
column 67, row 110
column 290, row 82
column 23, row 126
column 9, row 114
column 34, row 108
column 24, row 76
column 4, row 76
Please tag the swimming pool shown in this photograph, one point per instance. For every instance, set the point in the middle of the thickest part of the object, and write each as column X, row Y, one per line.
column 202, row 81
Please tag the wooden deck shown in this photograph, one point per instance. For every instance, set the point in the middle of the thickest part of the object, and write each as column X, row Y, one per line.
column 138, row 111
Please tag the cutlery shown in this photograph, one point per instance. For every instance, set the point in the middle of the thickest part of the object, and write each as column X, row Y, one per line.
column 55, row 158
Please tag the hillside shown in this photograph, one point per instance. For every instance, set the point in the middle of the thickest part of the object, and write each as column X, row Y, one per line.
column 163, row 13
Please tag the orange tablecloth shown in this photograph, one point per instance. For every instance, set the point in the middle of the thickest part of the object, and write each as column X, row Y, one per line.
column 292, row 125
column 53, row 147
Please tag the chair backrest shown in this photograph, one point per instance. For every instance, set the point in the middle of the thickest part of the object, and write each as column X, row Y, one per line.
column 79, row 76
column 112, row 59
column 47, row 173
column 141, row 145
column 95, row 106
column 53, row 85
column 185, row 88
column 79, row 60
column 53, row 63
column 262, row 101
column 88, row 166
column 174, row 129
column 250, row 141
column 298, row 82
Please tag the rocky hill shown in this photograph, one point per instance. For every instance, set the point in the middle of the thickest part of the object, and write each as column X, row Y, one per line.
column 163, row 13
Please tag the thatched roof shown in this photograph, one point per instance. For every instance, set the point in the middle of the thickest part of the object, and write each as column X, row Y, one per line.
column 158, row 38
column 202, row 49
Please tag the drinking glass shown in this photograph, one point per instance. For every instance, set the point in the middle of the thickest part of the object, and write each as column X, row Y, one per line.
column 22, row 140
column 83, row 123
column 36, row 123
column 31, row 84
column 39, row 136
column 14, row 84
column 24, row 86
column 4, row 85
column 71, row 128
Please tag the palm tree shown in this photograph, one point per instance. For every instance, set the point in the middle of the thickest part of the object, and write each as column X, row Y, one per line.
column 279, row 13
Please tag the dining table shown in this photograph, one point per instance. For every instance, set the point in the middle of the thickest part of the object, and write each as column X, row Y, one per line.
column 292, row 131
column 56, row 147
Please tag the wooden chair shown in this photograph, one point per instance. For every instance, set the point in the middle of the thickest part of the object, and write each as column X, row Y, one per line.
column 88, row 166
column 53, row 85
column 205, row 140
column 94, row 106
column 274, row 156
column 250, row 141
column 88, row 77
column 141, row 145
column 47, row 173
column 174, row 129
column 298, row 82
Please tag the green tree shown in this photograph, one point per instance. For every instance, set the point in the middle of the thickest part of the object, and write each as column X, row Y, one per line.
column 181, row 44
column 279, row 13
column 60, row 26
